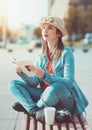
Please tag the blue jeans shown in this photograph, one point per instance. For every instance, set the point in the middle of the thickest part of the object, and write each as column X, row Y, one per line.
column 55, row 95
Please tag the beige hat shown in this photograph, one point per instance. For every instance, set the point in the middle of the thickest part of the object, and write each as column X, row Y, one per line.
column 54, row 21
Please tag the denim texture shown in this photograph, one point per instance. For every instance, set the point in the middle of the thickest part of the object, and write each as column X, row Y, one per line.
column 63, row 91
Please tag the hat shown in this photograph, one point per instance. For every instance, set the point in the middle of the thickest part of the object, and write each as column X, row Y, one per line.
column 54, row 21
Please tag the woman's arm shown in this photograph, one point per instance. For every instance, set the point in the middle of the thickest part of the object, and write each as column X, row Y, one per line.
column 68, row 77
column 32, row 81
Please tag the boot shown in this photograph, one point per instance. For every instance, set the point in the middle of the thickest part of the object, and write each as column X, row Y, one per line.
column 18, row 107
column 35, row 111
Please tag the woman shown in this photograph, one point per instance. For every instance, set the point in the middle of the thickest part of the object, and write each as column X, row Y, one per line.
column 53, row 83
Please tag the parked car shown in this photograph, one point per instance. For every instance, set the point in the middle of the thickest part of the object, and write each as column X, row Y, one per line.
column 36, row 43
column 87, row 39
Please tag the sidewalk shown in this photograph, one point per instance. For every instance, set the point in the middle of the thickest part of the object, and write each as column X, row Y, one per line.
column 11, row 120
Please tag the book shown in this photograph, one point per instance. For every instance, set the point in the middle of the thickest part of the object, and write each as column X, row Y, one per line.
column 23, row 64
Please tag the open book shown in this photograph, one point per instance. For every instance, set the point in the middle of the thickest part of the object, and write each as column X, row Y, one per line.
column 24, row 63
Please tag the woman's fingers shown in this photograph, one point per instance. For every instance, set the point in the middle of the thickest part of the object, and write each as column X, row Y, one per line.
column 18, row 69
column 31, row 68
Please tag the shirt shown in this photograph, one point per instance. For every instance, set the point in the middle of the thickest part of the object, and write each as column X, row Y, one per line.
column 48, row 69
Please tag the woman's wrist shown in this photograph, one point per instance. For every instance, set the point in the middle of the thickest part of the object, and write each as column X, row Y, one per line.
column 41, row 74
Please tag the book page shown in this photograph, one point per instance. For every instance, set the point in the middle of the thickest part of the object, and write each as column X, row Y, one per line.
column 23, row 63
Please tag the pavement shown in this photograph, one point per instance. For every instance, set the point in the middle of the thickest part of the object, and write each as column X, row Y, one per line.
column 11, row 120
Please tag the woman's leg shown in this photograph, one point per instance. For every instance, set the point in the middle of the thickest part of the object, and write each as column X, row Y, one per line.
column 25, row 94
column 57, row 95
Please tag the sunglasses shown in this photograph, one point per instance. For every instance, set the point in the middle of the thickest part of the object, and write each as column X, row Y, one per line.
column 50, row 19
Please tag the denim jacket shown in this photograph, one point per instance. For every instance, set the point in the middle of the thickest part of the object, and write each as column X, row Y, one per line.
column 63, row 69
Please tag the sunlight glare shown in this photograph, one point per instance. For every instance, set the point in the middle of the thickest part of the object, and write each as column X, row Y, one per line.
column 26, row 11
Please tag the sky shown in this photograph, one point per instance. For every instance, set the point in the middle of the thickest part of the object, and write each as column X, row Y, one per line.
column 27, row 11
column 3, row 7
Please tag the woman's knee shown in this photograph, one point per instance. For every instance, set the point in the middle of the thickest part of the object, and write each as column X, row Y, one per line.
column 48, row 98
column 14, row 84
column 51, row 90
column 49, row 93
column 60, row 89
column 55, row 87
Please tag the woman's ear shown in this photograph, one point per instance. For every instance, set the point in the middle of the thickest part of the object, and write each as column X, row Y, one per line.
column 59, row 34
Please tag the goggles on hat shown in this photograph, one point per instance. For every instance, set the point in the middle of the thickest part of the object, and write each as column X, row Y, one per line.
column 50, row 19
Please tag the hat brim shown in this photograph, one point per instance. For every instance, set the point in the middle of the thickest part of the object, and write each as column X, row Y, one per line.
column 62, row 29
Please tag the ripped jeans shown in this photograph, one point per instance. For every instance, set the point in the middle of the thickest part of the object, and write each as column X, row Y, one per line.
column 56, row 95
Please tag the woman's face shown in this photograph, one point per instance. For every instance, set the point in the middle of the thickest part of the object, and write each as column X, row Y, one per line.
column 49, row 33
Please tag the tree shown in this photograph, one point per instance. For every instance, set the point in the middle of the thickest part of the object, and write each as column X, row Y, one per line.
column 71, row 21
column 89, row 19
column 78, row 22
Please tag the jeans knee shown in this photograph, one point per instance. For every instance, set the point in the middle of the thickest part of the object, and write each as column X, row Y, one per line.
column 49, row 92
column 48, row 98
column 59, row 87
column 55, row 87
column 12, row 85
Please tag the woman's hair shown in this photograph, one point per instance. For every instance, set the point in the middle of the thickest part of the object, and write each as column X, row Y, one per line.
column 59, row 47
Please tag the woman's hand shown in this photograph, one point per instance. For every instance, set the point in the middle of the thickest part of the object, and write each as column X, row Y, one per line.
column 17, row 68
column 37, row 71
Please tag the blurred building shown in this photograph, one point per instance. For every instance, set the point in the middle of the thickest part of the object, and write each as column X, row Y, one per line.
column 81, row 5
column 73, row 11
column 84, row 9
column 59, row 7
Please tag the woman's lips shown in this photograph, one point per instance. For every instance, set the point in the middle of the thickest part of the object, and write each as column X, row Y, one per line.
column 45, row 35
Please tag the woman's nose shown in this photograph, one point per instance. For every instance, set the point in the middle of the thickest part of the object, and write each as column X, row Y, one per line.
column 45, row 30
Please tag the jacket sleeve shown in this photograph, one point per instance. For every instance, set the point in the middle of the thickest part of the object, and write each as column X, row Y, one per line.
column 68, row 77
column 32, row 81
